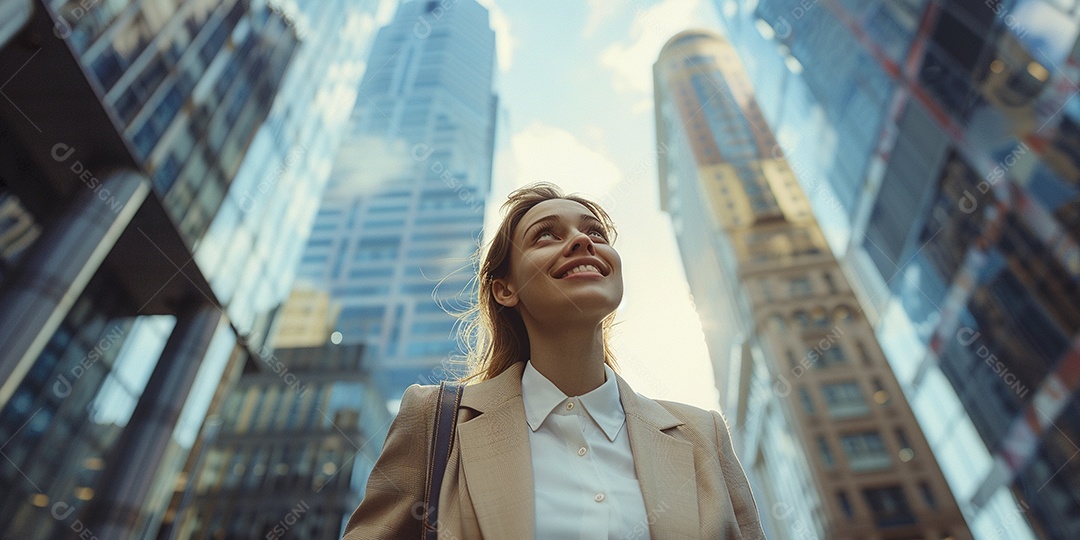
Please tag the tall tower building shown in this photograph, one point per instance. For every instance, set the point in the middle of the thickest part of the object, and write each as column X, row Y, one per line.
column 290, row 452
column 824, row 431
column 132, row 264
column 404, row 207
column 939, row 144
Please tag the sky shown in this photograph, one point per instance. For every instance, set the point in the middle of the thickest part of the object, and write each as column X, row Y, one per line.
column 575, row 85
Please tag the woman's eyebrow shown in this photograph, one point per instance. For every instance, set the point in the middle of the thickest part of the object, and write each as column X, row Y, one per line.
column 587, row 217
column 544, row 219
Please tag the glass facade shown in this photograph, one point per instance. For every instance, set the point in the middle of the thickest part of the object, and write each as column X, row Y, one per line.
column 18, row 229
column 404, row 207
column 231, row 110
column 946, row 130
column 288, row 456
column 65, row 432
column 795, row 337
column 169, row 73
column 253, row 245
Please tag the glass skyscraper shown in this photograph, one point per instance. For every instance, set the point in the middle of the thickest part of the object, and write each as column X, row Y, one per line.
column 253, row 246
column 824, row 433
column 143, row 248
column 404, row 207
column 939, row 142
column 288, row 459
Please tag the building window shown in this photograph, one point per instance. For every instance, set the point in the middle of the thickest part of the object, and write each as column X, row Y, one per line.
column 826, row 453
column 432, row 329
column 417, row 349
column 844, row 400
column 906, row 453
column 845, row 504
column 927, row 495
column 829, row 282
column 831, row 357
column 865, row 451
column 863, row 353
column 807, row 403
column 881, row 396
column 889, row 506
column 801, row 287
column 815, row 319
column 901, row 437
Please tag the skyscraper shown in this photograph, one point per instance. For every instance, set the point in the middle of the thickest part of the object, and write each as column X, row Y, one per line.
column 292, row 453
column 948, row 132
column 404, row 207
column 126, row 126
column 823, row 430
column 254, row 243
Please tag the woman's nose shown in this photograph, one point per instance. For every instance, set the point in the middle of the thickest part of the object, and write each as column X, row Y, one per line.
column 580, row 241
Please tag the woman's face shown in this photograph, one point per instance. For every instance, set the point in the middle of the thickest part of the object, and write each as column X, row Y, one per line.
column 551, row 243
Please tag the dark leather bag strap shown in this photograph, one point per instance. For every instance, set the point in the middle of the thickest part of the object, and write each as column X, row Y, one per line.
column 442, row 440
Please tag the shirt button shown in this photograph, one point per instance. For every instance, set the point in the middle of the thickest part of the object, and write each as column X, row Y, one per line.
column 570, row 406
column 581, row 451
column 599, row 497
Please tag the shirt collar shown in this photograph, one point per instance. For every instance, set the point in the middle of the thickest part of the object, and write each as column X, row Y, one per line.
column 541, row 397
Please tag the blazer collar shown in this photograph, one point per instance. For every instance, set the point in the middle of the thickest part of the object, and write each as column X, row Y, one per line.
column 602, row 404
column 497, row 464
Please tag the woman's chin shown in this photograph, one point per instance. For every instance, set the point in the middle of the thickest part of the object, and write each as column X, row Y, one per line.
column 585, row 311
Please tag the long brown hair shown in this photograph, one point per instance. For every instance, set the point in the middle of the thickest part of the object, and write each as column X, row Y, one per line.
column 494, row 336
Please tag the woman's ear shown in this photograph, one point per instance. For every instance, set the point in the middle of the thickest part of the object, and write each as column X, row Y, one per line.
column 504, row 293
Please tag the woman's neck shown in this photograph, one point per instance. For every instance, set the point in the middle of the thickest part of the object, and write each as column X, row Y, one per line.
column 571, row 358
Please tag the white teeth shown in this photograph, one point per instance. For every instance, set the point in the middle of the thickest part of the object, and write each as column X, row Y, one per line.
column 582, row 268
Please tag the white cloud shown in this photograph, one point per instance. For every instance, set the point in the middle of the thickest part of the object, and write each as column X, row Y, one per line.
column 599, row 12
column 505, row 42
column 359, row 28
column 541, row 152
column 596, row 136
column 384, row 12
column 642, row 106
column 364, row 164
column 631, row 63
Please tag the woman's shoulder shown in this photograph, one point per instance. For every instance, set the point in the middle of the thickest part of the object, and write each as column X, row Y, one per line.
column 687, row 412
column 418, row 397
column 416, row 412
column 705, row 421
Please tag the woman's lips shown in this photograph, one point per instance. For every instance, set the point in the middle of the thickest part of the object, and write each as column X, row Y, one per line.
column 582, row 269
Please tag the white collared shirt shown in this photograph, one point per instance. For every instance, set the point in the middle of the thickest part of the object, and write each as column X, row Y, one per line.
column 583, row 471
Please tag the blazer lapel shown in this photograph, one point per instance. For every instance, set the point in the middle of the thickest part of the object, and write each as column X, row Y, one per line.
column 664, row 465
column 496, row 458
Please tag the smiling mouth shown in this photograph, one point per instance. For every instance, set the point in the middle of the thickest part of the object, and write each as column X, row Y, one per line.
column 584, row 268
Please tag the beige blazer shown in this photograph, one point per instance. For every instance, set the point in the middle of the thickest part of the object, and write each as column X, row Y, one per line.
column 691, row 480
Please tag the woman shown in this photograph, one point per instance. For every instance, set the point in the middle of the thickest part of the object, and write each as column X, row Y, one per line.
column 551, row 442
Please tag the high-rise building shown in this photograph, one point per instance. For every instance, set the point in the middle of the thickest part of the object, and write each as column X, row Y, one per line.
column 274, row 198
column 939, row 143
column 276, row 191
column 404, row 208
column 292, row 449
column 824, row 432
column 141, row 246
column 306, row 319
